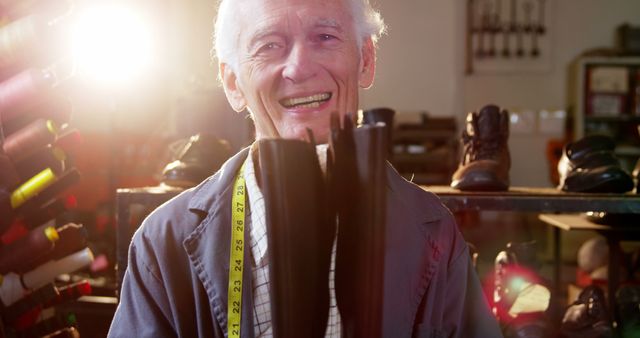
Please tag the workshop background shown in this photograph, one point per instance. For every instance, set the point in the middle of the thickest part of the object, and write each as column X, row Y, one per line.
column 141, row 82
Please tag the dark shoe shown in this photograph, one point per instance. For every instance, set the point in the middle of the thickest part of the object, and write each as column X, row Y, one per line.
column 515, row 268
column 486, row 160
column 589, row 165
column 628, row 303
column 612, row 219
column 198, row 159
column 588, row 317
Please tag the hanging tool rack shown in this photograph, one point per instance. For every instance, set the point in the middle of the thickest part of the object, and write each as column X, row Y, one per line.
column 504, row 29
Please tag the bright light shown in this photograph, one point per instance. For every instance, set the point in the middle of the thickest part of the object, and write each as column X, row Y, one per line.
column 111, row 44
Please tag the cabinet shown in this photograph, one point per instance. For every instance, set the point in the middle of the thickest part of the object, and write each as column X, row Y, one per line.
column 605, row 99
column 426, row 152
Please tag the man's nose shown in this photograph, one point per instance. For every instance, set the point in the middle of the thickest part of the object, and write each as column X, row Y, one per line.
column 299, row 65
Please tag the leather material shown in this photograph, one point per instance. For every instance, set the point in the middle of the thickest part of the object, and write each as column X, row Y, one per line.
column 513, row 267
column 485, row 160
column 358, row 183
column 590, row 165
column 588, row 316
column 300, row 233
column 199, row 158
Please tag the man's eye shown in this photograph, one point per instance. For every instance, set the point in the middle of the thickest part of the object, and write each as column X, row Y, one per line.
column 326, row 37
column 268, row 47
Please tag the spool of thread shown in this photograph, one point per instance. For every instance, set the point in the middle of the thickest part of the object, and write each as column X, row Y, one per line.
column 32, row 187
column 29, row 139
column 48, row 212
column 13, row 287
column 36, row 298
column 19, row 38
column 48, row 271
column 56, row 108
column 17, row 9
column 8, row 215
column 23, row 91
column 66, row 180
column 69, row 332
column 46, row 157
column 48, row 326
column 15, row 231
column 72, row 238
column 37, row 243
column 30, row 318
column 9, row 178
column 69, row 293
column 69, row 141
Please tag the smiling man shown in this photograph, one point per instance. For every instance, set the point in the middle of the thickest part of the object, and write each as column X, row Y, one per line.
column 291, row 64
column 296, row 62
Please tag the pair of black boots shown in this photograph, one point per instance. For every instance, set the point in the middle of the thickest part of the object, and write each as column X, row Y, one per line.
column 304, row 211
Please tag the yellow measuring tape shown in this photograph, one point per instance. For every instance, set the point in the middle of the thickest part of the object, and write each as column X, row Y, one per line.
column 236, row 257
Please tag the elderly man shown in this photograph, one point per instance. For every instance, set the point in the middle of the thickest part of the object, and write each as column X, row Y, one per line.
column 291, row 63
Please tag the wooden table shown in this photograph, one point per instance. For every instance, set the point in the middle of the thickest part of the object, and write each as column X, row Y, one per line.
column 526, row 199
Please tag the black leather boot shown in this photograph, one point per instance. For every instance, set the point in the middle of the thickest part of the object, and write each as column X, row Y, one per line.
column 358, row 176
column 589, row 165
column 588, row 317
column 300, row 233
column 198, row 159
column 485, row 160
column 516, row 274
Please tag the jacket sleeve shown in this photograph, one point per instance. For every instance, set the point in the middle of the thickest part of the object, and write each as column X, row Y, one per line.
column 142, row 311
column 466, row 311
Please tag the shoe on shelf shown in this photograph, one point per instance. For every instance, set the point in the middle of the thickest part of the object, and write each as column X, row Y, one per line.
column 590, row 165
column 485, row 160
column 200, row 157
column 588, row 316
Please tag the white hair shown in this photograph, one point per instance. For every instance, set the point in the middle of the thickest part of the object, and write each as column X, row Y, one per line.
column 367, row 22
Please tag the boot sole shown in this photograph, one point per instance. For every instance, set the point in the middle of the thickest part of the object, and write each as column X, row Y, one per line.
column 480, row 181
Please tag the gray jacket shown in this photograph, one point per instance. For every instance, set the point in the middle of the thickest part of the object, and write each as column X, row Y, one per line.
column 177, row 279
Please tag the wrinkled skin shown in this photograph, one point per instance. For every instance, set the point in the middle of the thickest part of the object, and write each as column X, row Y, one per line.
column 299, row 61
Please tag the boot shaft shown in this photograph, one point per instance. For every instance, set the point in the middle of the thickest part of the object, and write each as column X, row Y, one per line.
column 486, row 135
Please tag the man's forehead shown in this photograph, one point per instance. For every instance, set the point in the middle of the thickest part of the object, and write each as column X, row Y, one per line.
column 272, row 13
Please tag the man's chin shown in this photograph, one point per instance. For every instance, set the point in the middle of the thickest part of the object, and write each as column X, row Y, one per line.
column 320, row 134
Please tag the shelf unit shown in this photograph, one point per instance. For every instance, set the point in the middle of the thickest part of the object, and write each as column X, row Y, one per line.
column 623, row 127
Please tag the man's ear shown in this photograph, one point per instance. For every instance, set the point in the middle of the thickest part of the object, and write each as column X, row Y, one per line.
column 232, row 90
column 367, row 64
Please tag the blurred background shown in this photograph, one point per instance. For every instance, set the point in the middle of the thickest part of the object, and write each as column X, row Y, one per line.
column 141, row 81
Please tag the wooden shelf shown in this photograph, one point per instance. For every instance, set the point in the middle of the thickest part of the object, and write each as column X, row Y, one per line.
column 541, row 200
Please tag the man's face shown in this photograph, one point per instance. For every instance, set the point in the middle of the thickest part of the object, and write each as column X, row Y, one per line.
column 299, row 61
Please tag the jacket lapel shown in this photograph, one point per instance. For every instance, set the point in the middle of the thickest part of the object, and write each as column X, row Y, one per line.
column 209, row 244
column 412, row 254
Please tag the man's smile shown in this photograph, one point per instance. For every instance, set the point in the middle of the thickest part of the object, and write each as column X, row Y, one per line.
column 311, row 101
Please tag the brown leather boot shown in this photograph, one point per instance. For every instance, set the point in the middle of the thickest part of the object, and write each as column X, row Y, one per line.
column 485, row 160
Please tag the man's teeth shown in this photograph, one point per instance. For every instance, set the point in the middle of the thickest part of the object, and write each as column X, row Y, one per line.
column 312, row 101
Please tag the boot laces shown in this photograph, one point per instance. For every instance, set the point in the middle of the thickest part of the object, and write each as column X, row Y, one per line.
column 476, row 149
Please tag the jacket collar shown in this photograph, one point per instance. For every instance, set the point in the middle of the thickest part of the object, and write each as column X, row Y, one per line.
column 211, row 189
column 209, row 244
